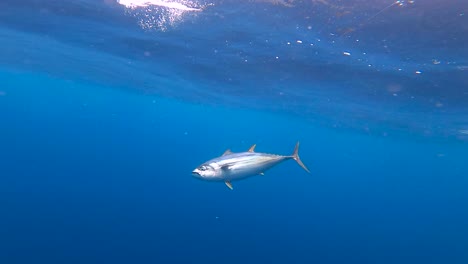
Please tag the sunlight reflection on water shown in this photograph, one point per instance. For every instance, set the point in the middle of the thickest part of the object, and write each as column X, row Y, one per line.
column 158, row 14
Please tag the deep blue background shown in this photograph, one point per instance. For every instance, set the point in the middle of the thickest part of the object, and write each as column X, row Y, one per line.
column 97, row 139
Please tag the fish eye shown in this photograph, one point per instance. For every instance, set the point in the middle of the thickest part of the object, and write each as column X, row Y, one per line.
column 202, row 168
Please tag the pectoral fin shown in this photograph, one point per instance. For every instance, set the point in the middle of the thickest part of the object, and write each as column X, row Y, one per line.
column 226, row 167
column 261, row 173
column 228, row 184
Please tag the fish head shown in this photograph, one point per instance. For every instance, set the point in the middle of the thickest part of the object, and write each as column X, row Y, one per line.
column 205, row 172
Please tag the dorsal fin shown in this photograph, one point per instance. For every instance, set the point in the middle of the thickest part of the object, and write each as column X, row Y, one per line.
column 227, row 152
column 252, row 148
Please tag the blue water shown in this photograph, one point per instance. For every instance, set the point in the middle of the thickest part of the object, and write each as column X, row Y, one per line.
column 103, row 117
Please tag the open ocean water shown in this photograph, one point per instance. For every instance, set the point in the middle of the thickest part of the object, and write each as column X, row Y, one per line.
column 107, row 106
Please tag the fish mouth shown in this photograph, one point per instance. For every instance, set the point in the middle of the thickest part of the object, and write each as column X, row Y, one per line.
column 196, row 174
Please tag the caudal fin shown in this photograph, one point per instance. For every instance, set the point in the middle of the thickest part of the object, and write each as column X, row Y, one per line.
column 295, row 156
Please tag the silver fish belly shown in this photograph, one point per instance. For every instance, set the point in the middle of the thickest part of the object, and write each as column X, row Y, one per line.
column 237, row 166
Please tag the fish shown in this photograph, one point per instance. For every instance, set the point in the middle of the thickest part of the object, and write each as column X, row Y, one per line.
column 236, row 166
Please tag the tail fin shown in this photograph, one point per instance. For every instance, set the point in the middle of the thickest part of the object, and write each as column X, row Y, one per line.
column 295, row 156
